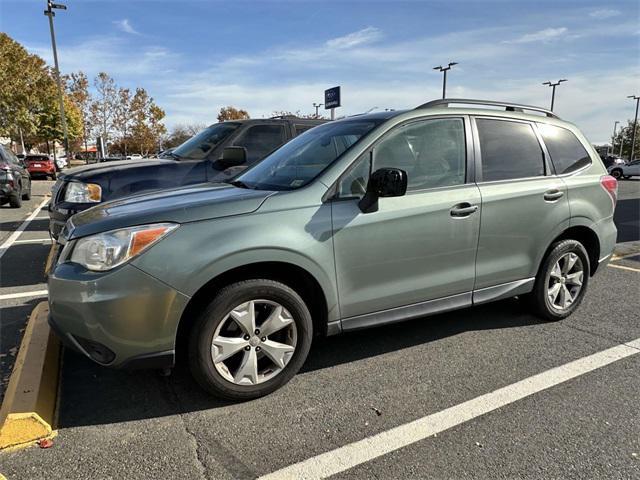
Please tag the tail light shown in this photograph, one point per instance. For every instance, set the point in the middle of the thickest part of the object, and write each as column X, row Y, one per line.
column 610, row 184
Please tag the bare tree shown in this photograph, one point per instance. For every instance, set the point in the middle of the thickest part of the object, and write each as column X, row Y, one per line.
column 104, row 105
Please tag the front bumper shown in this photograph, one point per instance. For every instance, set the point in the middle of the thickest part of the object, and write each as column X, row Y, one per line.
column 63, row 211
column 119, row 318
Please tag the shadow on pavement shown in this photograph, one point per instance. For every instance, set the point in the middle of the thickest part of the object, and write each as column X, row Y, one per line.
column 23, row 265
column 13, row 321
column 627, row 219
column 40, row 225
column 94, row 395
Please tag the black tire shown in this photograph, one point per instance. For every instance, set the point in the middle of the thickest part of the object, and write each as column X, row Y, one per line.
column 538, row 298
column 27, row 195
column 15, row 200
column 201, row 337
column 616, row 173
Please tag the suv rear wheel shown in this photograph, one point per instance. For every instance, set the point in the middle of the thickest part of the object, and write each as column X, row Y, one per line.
column 251, row 339
column 616, row 173
column 15, row 200
column 562, row 281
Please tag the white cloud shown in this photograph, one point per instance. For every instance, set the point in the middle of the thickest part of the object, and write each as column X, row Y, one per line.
column 604, row 13
column 354, row 39
column 126, row 27
column 541, row 35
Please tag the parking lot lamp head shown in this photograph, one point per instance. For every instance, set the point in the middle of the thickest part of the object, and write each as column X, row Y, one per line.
column 444, row 70
column 553, row 91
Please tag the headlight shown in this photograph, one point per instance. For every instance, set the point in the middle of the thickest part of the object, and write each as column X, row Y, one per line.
column 78, row 192
column 109, row 249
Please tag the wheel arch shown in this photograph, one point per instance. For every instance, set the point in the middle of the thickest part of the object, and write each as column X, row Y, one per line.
column 587, row 237
column 299, row 279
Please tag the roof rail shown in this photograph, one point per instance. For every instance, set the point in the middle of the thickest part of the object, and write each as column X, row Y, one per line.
column 509, row 107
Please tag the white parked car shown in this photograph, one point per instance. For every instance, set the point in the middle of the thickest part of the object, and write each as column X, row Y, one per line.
column 625, row 171
column 61, row 162
column 135, row 156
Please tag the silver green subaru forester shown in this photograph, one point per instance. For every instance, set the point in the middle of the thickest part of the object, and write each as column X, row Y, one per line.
column 356, row 223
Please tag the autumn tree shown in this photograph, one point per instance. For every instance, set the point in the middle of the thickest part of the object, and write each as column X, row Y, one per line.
column 232, row 113
column 287, row 113
column 147, row 130
column 123, row 119
column 78, row 91
column 103, row 106
column 181, row 133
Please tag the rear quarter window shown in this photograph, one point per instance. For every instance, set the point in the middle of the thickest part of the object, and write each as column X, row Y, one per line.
column 566, row 151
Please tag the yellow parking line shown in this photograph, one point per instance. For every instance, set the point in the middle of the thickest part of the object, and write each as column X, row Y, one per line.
column 622, row 267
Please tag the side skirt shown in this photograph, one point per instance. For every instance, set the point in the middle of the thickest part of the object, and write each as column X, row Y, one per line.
column 439, row 305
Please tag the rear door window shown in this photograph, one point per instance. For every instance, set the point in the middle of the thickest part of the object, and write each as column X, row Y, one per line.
column 566, row 151
column 260, row 140
column 509, row 150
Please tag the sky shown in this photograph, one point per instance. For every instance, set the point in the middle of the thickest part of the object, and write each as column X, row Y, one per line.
column 195, row 57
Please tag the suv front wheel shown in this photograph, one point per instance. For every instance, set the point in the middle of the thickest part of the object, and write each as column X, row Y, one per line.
column 562, row 281
column 251, row 339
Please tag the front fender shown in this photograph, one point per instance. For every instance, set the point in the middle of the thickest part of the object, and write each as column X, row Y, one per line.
column 198, row 252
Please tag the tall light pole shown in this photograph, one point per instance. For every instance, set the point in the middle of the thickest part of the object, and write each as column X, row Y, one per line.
column 553, row 92
column 444, row 70
column 613, row 137
column 50, row 13
column 317, row 106
column 635, row 126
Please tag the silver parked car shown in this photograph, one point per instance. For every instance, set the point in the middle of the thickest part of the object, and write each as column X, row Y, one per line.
column 625, row 171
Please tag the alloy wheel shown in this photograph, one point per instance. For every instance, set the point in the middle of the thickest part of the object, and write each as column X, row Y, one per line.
column 254, row 342
column 565, row 281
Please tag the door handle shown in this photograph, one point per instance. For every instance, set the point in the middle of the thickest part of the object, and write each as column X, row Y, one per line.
column 553, row 195
column 463, row 210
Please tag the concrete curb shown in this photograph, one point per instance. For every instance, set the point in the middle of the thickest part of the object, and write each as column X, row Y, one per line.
column 28, row 410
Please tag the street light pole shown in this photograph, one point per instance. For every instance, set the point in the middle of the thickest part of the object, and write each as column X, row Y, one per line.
column 553, row 92
column 613, row 137
column 444, row 70
column 317, row 106
column 50, row 13
column 635, row 127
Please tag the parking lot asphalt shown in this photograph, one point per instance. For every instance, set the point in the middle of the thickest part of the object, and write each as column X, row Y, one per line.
column 138, row 424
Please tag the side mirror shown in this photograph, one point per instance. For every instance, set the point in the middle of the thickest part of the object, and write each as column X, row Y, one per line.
column 233, row 156
column 385, row 182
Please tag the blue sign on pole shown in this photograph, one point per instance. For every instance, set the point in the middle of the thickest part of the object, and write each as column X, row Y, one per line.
column 332, row 98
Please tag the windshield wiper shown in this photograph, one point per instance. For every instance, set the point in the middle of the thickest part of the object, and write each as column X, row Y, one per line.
column 239, row 184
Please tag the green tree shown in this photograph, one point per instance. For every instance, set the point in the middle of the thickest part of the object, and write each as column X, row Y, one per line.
column 26, row 89
column 625, row 135
column 232, row 113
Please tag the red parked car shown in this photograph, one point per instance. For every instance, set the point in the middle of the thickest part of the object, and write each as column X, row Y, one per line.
column 41, row 166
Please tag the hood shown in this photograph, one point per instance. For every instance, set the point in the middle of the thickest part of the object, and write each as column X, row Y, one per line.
column 180, row 205
column 87, row 172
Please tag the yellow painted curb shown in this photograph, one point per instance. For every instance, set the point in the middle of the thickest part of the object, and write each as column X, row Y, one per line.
column 28, row 409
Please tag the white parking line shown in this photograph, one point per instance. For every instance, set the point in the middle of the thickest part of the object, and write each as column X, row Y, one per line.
column 348, row 456
column 622, row 267
column 33, row 240
column 14, row 236
column 35, row 294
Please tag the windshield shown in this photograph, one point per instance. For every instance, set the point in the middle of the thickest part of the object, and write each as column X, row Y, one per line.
column 302, row 159
column 199, row 146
